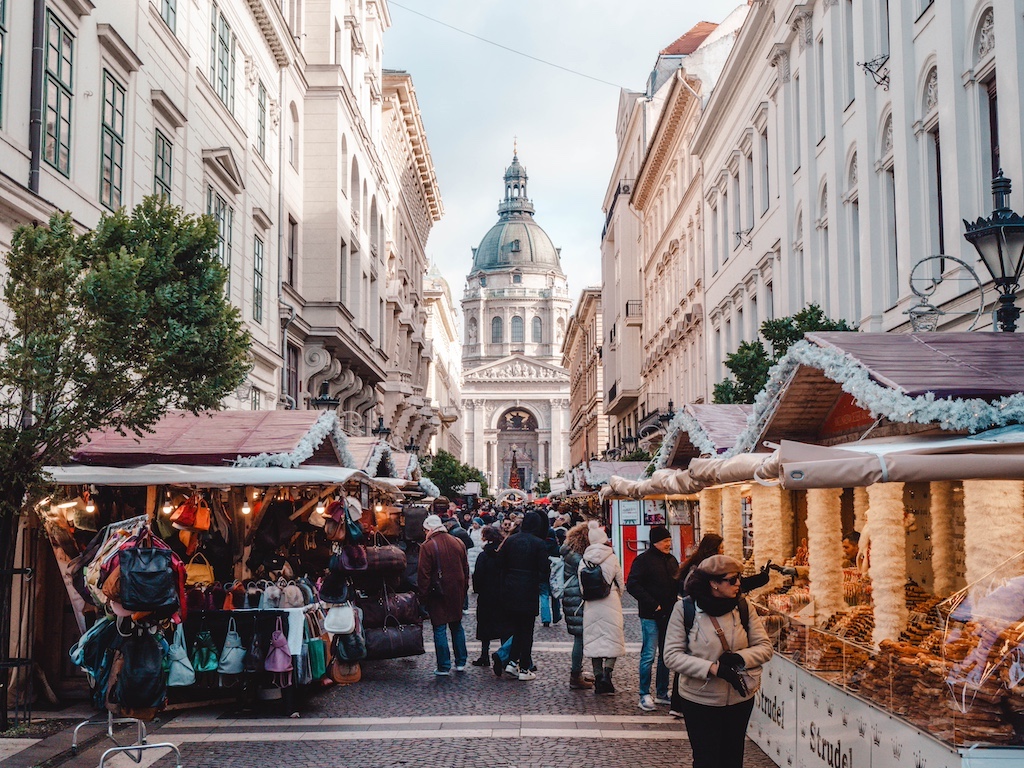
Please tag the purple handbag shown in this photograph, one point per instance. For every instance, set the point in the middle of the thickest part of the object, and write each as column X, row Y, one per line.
column 352, row 558
column 279, row 658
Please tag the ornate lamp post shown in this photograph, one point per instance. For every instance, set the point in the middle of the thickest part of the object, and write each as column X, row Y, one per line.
column 412, row 447
column 666, row 417
column 323, row 401
column 999, row 240
column 380, row 431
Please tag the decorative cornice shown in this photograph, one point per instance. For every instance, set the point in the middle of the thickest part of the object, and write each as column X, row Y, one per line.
column 799, row 21
column 119, row 50
column 665, row 134
column 274, row 37
column 778, row 57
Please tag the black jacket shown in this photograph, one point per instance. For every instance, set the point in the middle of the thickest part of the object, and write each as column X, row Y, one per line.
column 462, row 535
column 490, row 616
column 523, row 558
column 652, row 581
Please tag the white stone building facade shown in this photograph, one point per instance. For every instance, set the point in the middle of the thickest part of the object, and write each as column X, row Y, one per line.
column 516, row 308
column 444, row 377
column 581, row 356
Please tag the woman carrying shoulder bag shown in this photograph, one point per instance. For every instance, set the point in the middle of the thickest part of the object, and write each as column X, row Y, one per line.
column 719, row 659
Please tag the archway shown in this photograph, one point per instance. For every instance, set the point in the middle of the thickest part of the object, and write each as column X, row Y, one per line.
column 517, row 449
column 512, row 496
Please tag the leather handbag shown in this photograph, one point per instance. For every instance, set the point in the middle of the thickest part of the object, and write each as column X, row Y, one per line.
column 352, row 646
column 198, row 571
column 204, row 653
column 279, row 658
column 232, row 655
column 340, row 619
column 353, row 557
column 334, row 588
column 180, row 672
column 254, row 657
column 292, row 596
column 404, row 606
column 148, row 580
column 394, row 640
column 388, row 521
column 385, row 559
column 344, row 673
column 184, row 515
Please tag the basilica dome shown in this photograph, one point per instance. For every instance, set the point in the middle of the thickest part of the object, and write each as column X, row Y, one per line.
column 516, row 241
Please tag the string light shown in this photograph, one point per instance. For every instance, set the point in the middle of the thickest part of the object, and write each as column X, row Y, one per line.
column 246, row 509
column 167, row 505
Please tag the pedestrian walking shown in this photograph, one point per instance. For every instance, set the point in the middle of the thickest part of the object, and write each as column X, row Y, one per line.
column 523, row 558
column 652, row 581
column 442, row 585
column 603, row 637
column 490, row 615
column 718, row 645
column 576, row 543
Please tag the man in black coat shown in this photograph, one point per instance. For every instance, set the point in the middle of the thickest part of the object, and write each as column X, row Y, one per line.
column 652, row 581
column 523, row 559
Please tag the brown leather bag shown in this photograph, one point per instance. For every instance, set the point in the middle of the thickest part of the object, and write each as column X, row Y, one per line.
column 385, row 559
column 344, row 673
column 404, row 606
column 389, row 521
column 394, row 640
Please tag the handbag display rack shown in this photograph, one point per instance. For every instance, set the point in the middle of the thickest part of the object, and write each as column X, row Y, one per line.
column 133, row 751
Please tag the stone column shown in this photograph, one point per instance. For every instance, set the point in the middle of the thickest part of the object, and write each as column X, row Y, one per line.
column 825, row 551
column 732, row 521
column 887, row 558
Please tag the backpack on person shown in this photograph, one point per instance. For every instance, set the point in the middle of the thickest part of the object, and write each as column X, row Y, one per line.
column 690, row 613
column 592, row 582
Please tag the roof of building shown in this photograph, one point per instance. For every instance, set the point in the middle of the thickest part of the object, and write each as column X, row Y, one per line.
column 700, row 428
column 516, row 241
column 691, row 40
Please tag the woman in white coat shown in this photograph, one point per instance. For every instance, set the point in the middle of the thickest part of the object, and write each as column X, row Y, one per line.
column 603, row 637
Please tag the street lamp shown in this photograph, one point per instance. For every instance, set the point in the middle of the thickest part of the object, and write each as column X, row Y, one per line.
column 323, row 401
column 629, row 441
column 412, row 448
column 999, row 240
column 380, row 431
column 666, row 417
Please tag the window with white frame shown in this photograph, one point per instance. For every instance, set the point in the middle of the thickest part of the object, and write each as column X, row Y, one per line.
column 933, row 162
column 889, row 212
column 112, row 142
column 538, row 330
column 823, row 255
column 797, row 278
column 163, row 165
column 257, row 280
column 224, row 215
column 169, row 13
column 748, row 173
column 222, row 58
column 725, row 227
column 496, row 330
column 57, row 94
column 261, row 119
column 255, row 399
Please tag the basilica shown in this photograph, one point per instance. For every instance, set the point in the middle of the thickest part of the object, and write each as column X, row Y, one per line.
column 515, row 393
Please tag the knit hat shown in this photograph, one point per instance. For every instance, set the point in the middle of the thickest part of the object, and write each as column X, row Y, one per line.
column 659, row 533
column 596, row 534
column 432, row 523
column 720, row 565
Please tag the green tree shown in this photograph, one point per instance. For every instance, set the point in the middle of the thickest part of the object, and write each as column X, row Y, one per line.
column 542, row 487
column 449, row 474
column 750, row 363
column 106, row 330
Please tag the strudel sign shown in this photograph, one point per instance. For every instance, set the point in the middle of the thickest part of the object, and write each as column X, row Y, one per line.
column 800, row 721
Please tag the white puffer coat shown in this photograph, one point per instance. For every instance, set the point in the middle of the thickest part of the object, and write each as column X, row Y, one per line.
column 603, row 636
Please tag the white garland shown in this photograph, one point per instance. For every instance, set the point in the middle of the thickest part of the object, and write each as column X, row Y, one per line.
column 772, row 511
column 732, row 521
column 993, row 524
column 428, row 487
column 971, row 414
column 941, row 509
column 683, row 422
column 825, row 551
column 860, row 508
column 325, row 426
column 381, row 450
column 887, row 560
column 710, row 511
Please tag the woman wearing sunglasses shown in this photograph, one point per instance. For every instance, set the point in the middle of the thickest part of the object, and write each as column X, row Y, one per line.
column 718, row 657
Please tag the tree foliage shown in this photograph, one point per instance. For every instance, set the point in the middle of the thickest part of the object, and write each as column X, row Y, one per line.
column 750, row 363
column 449, row 474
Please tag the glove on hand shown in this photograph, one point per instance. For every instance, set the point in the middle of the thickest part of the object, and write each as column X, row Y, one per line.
column 766, row 567
column 731, row 675
column 730, row 659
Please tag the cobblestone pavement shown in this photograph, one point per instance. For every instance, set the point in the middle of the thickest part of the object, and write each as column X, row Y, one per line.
column 402, row 715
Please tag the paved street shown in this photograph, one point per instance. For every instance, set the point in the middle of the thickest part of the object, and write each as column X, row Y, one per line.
column 401, row 715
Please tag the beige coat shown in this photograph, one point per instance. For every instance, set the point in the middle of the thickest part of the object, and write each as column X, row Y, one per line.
column 603, row 636
column 692, row 657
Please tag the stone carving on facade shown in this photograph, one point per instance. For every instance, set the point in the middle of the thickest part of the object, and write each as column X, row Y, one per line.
column 802, row 27
column 887, row 138
column 986, row 35
column 931, row 91
column 274, row 113
column 252, row 75
column 518, row 370
column 779, row 58
column 853, row 173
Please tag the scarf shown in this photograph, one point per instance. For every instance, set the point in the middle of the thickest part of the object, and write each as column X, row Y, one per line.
column 717, row 606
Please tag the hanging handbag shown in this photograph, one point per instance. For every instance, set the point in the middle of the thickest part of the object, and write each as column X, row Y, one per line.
column 198, row 572
column 352, row 558
column 344, row 673
column 413, row 528
column 148, row 580
column 271, row 597
column 232, row 655
column 317, row 657
column 394, row 640
column 204, row 653
column 340, row 619
column 279, row 658
column 385, row 559
column 292, row 596
column 334, row 588
column 204, row 516
column 180, row 672
column 254, row 656
column 184, row 515
column 351, row 646
column 354, row 533
column 404, row 606
column 303, row 673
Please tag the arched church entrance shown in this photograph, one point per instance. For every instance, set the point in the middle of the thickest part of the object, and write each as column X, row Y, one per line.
column 518, row 448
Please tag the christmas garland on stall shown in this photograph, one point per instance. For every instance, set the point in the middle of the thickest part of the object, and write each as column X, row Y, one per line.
column 683, row 422
column 326, row 426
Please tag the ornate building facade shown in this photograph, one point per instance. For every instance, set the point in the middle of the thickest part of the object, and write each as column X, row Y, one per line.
column 516, row 306
column 444, row 369
column 581, row 355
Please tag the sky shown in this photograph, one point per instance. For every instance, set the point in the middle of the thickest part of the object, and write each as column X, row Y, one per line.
column 476, row 97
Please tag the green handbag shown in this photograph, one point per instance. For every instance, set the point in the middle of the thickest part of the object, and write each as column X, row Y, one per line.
column 317, row 657
column 204, row 653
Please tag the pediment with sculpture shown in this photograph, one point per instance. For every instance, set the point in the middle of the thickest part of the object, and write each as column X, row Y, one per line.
column 517, row 368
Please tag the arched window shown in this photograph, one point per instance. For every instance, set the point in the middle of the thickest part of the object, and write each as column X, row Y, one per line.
column 496, row 330
column 538, row 330
column 293, row 139
column 354, row 189
column 373, row 221
column 517, row 330
column 344, row 159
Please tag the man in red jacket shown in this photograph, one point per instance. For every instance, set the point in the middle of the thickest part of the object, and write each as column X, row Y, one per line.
column 442, row 584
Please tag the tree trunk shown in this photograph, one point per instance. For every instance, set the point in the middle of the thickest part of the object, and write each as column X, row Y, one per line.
column 10, row 504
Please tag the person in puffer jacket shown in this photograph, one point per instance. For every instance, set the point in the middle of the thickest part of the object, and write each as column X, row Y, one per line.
column 576, row 543
column 603, row 637
column 717, row 677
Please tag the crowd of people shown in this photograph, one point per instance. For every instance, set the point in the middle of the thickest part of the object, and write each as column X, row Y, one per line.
column 534, row 562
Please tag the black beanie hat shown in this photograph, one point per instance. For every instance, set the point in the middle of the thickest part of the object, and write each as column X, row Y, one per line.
column 658, row 533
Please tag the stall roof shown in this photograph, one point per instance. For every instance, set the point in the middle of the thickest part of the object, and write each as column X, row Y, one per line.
column 367, row 453
column 831, row 387
column 252, row 438
column 201, row 476
column 596, row 473
column 702, row 429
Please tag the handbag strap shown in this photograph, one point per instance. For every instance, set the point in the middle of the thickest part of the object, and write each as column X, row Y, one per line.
column 720, row 633
column 231, row 625
column 197, row 555
column 437, row 562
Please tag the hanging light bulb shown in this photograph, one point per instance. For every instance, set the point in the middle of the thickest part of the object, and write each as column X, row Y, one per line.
column 167, row 505
column 246, row 509
column 378, row 508
column 90, row 507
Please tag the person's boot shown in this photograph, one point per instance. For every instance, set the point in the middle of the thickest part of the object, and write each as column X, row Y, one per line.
column 577, row 683
column 598, row 683
column 609, row 689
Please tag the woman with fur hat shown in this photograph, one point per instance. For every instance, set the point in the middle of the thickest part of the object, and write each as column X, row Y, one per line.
column 603, row 637
column 719, row 659
column 576, row 543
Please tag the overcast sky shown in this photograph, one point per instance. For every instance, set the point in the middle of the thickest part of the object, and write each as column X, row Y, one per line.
column 474, row 97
